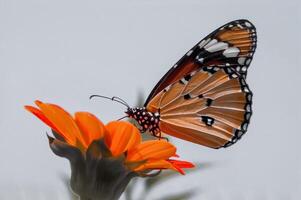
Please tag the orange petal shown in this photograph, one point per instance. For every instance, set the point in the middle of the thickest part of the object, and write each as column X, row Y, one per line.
column 179, row 165
column 121, row 136
column 157, row 164
column 41, row 116
column 153, row 149
column 91, row 127
column 63, row 122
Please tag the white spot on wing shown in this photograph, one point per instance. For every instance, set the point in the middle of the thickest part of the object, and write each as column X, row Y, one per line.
column 248, row 108
column 215, row 68
column 184, row 81
column 193, row 73
column 248, row 61
column 245, row 126
column 168, row 87
column 234, row 76
column 201, row 60
column 248, row 24
column 249, row 97
column 217, row 47
column 231, row 52
column 203, row 43
column 189, row 53
column 212, row 42
column 241, row 60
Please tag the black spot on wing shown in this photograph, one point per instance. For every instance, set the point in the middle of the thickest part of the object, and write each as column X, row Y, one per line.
column 209, row 102
column 187, row 96
column 187, row 77
column 207, row 120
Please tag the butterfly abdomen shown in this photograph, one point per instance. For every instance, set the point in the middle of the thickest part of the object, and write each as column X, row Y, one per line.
column 147, row 120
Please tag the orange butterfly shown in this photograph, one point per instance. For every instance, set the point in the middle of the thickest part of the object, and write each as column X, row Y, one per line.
column 204, row 97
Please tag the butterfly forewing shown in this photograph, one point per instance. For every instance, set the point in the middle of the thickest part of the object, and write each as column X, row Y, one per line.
column 231, row 45
column 212, row 107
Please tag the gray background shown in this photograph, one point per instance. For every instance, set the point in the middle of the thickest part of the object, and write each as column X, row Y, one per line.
column 62, row 51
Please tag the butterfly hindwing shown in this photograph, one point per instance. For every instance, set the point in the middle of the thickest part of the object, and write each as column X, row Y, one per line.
column 231, row 45
column 210, row 106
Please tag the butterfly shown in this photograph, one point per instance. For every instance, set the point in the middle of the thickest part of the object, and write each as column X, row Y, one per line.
column 204, row 97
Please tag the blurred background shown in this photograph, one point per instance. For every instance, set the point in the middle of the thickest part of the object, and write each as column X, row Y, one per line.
column 62, row 51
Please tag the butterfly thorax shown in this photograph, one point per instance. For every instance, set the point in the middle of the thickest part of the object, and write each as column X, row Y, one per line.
column 147, row 120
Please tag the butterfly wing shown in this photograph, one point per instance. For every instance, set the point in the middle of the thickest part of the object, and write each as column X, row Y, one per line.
column 232, row 45
column 212, row 107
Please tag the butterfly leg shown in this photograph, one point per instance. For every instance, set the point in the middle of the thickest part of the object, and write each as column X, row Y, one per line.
column 159, row 136
column 165, row 138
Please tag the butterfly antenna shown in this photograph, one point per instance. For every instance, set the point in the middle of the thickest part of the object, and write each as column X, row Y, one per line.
column 116, row 99
column 122, row 118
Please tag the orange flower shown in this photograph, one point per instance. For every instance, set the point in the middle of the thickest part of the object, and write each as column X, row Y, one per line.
column 121, row 139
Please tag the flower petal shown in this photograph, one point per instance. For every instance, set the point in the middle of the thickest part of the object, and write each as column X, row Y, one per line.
column 41, row 116
column 91, row 127
column 121, row 136
column 153, row 149
column 157, row 164
column 179, row 165
column 64, row 123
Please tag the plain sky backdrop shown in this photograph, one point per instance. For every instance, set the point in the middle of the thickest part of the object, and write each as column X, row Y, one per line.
column 62, row 51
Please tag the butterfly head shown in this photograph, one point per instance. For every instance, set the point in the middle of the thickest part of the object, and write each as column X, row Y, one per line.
column 137, row 113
